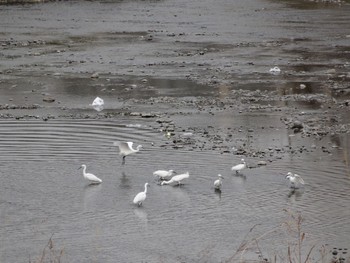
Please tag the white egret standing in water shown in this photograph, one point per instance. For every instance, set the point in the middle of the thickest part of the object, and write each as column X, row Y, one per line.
column 140, row 197
column 295, row 180
column 162, row 174
column 89, row 176
column 239, row 167
column 125, row 148
column 218, row 182
column 177, row 178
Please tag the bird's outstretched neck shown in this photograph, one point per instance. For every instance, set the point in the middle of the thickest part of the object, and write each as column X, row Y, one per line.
column 167, row 182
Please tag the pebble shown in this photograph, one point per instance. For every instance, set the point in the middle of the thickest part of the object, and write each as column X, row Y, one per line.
column 95, row 75
column 48, row 99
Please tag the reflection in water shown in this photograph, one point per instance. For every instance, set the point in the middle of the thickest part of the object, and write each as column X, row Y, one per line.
column 295, row 194
column 124, row 181
column 90, row 196
column 141, row 214
column 241, row 178
column 218, row 193
column 179, row 193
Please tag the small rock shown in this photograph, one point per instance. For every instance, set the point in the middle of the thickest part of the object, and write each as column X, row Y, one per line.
column 95, row 75
column 48, row 99
column 297, row 125
column 261, row 163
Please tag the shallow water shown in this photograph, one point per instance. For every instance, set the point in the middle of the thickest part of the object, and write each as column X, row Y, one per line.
column 43, row 193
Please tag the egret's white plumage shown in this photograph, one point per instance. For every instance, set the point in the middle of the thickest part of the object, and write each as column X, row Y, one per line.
column 97, row 104
column 162, row 174
column 295, row 180
column 125, row 148
column 218, row 182
column 89, row 176
column 140, row 197
column 239, row 167
column 177, row 179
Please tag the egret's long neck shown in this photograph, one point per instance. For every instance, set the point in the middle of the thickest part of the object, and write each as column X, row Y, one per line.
column 167, row 182
column 145, row 189
column 84, row 170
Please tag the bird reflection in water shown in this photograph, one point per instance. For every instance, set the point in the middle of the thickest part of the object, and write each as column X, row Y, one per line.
column 218, row 193
column 91, row 192
column 142, row 216
column 241, row 177
column 124, row 181
column 295, row 194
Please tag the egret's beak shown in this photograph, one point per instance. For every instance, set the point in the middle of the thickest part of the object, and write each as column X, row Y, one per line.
column 79, row 168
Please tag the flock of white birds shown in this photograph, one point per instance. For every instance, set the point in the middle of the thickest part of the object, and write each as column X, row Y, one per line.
column 126, row 148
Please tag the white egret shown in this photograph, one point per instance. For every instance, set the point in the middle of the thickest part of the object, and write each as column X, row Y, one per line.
column 275, row 70
column 97, row 104
column 295, row 180
column 177, row 178
column 90, row 177
column 125, row 148
column 218, row 182
column 140, row 197
column 239, row 167
column 162, row 174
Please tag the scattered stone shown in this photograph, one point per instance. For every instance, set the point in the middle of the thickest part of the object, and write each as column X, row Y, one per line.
column 262, row 163
column 48, row 99
column 95, row 75
column 297, row 125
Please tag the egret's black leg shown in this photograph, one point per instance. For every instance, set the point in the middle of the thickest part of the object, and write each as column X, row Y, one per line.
column 123, row 162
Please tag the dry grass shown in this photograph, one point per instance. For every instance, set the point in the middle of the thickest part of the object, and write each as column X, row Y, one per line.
column 49, row 254
column 298, row 248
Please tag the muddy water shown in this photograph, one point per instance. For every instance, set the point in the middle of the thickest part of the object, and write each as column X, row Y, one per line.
column 43, row 193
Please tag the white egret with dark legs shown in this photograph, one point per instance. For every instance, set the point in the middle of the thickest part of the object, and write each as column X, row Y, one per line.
column 295, row 180
column 125, row 149
column 177, row 179
column 218, row 183
column 239, row 167
column 89, row 176
column 141, row 197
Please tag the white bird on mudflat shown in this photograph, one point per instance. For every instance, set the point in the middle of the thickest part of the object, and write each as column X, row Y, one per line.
column 177, row 178
column 239, row 167
column 218, row 182
column 90, row 177
column 97, row 104
column 125, row 148
column 162, row 174
column 295, row 180
column 140, row 197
